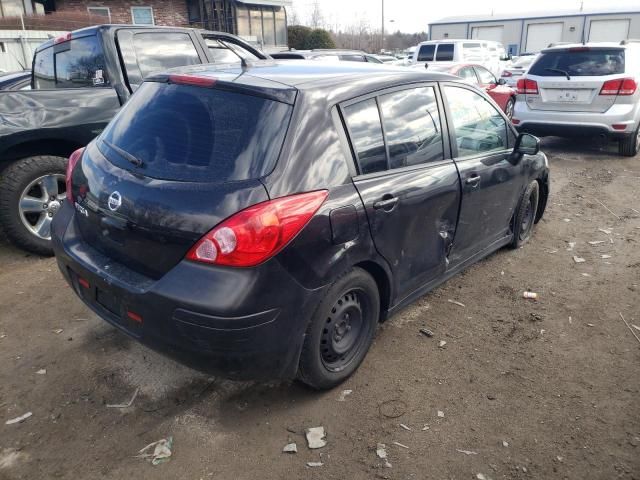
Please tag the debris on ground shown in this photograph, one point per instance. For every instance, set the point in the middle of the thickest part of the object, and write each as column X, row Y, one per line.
column 125, row 405
column 314, row 464
column 440, row 413
column 393, row 408
column 381, row 452
column 426, row 332
column 466, row 452
column 161, row 451
column 19, row 419
column 398, row 444
column 290, row 448
column 636, row 327
column 344, row 394
column 58, row 331
column 566, row 220
column 442, row 343
column 316, row 437
column 590, row 325
column 482, row 476
column 605, row 256
column 606, row 231
column 571, row 246
column 578, row 259
column 530, row 295
column 505, row 443
column 426, row 427
column 456, row 303
column 407, row 428
column 629, row 327
column 42, row 371
column 597, row 242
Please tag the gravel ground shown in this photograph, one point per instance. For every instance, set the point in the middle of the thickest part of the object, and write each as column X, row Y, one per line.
column 527, row 389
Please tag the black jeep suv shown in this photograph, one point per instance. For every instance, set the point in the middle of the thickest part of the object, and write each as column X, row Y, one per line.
column 262, row 219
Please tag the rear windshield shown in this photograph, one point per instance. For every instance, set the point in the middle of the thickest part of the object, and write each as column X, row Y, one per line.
column 582, row 63
column 194, row 134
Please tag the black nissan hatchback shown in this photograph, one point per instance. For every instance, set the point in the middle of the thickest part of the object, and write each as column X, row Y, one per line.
column 259, row 221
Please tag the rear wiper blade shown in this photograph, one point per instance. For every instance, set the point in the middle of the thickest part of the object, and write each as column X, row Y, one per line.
column 126, row 155
column 557, row 70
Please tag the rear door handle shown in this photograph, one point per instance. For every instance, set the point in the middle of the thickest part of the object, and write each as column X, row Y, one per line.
column 473, row 180
column 387, row 203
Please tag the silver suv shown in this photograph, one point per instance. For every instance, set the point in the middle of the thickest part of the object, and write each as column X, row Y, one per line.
column 583, row 90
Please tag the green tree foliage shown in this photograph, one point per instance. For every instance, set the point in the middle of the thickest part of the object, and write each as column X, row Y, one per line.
column 297, row 35
column 319, row 38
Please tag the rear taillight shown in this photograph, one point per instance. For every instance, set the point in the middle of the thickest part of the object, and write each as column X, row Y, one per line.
column 620, row 86
column 506, row 74
column 255, row 234
column 527, row 87
column 73, row 160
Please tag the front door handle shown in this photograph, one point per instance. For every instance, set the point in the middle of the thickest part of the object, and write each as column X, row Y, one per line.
column 473, row 181
column 387, row 203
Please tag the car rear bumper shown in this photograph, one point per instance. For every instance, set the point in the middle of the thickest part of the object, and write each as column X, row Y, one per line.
column 236, row 323
column 576, row 124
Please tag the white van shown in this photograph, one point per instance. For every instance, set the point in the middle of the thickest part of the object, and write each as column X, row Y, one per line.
column 489, row 54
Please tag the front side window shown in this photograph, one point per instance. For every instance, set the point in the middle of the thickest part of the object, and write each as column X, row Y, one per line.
column 486, row 77
column 478, row 127
column 425, row 54
column 142, row 16
column 158, row 51
column 412, row 127
column 445, row 52
column 579, row 62
column 363, row 120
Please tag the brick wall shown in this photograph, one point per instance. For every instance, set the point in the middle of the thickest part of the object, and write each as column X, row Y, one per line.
column 165, row 12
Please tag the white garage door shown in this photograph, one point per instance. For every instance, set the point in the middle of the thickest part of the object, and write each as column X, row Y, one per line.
column 540, row 35
column 487, row 33
column 609, row 30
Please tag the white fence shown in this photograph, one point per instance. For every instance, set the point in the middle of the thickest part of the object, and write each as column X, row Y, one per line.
column 17, row 47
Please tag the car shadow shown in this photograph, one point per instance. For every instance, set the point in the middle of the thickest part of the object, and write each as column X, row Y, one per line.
column 592, row 147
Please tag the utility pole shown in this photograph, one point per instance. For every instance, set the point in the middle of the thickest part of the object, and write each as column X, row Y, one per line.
column 382, row 47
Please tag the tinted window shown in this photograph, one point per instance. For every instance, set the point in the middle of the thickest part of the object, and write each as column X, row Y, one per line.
column 412, row 127
column 73, row 64
column 445, row 52
column 486, row 77
column 196, row 134
column 352, row 58
column 160, row 51
column 363, row 120
column 425, row 54
column 479, row 127
column 579, row 63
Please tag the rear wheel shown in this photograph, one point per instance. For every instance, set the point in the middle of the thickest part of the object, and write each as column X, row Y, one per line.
column 31, row 192
column 341, row 331
column 525, row 217
column 630, row 146
column 508, row 109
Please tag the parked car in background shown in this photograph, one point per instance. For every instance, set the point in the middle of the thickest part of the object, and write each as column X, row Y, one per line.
column 501, row 93
column 583, row 90
column 15, row 80
column 491, row 55
column 80, row 80
column 386, row 58
column 517, row 69
column 327, row 55
column 288, row 207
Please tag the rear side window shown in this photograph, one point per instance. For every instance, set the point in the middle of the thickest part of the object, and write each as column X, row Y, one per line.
column 412, row 127
column 73, row 64
column 195, row 134
column 445, row 52
column 472, row 52
column 160, row 51
column 425, row 54
column 363, row 120
column 579, row 63
column 352, row 58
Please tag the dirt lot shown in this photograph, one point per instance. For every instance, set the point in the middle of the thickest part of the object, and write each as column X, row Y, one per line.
column 558, row 380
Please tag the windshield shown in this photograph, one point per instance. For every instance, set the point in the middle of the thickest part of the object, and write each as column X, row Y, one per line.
column 579, row 63
column 187, row 133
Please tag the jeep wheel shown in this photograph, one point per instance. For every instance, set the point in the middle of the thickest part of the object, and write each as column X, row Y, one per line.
column 31, row 192
column 630, row 146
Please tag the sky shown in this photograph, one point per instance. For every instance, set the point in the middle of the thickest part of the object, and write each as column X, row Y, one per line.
column 411, row 16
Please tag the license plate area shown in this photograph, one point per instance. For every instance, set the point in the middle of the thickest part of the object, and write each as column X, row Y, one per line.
column 567, row 96
column 108, row 301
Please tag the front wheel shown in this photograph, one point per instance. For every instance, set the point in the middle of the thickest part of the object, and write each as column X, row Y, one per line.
column 341, row 331
column 630, row 146
column 31, row 192
column 508, row 109
column 525, row 216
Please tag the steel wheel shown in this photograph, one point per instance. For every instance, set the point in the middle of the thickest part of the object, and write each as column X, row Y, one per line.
column 39, row 202
column 528, row 218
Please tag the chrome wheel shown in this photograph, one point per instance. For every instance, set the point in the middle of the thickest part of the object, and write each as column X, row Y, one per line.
column 509, row 109
column 39, row 202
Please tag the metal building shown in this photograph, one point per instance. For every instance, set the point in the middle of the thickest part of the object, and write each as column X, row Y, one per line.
column 532, row 32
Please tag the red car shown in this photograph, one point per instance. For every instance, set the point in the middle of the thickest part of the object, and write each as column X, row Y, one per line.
column 502, row 94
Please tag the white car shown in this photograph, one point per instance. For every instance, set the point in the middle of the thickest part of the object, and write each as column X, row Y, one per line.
column 518, row 67
column 491, row 55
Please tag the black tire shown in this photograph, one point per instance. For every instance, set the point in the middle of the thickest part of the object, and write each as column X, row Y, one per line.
column 525, row 216
column 508, row 109
column 13, row 182
column 341, row 331
column 630, row 146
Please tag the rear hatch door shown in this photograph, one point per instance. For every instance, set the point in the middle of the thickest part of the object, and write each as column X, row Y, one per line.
column 570, row 80
column 176, row 161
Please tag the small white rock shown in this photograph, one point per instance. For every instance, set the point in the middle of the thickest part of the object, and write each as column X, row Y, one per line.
column 578, row 259
column 316, row 437
column 440, row 413
column 442, row 343
column 290, row 448
column 344, row 394
column 505, row 443
column 314, row 464
column 42, row 371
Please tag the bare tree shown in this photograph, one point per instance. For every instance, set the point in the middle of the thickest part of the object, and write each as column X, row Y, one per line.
column 316, row 18
column 292, row 16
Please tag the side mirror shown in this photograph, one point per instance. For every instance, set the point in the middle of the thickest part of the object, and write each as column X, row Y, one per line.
column 502, row 81
column 527, row 144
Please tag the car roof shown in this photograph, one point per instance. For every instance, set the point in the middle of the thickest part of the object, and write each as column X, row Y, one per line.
column 594, row 46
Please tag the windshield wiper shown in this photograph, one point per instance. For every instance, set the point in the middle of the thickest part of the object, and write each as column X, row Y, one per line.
column 126, row 155
column 557, row 70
